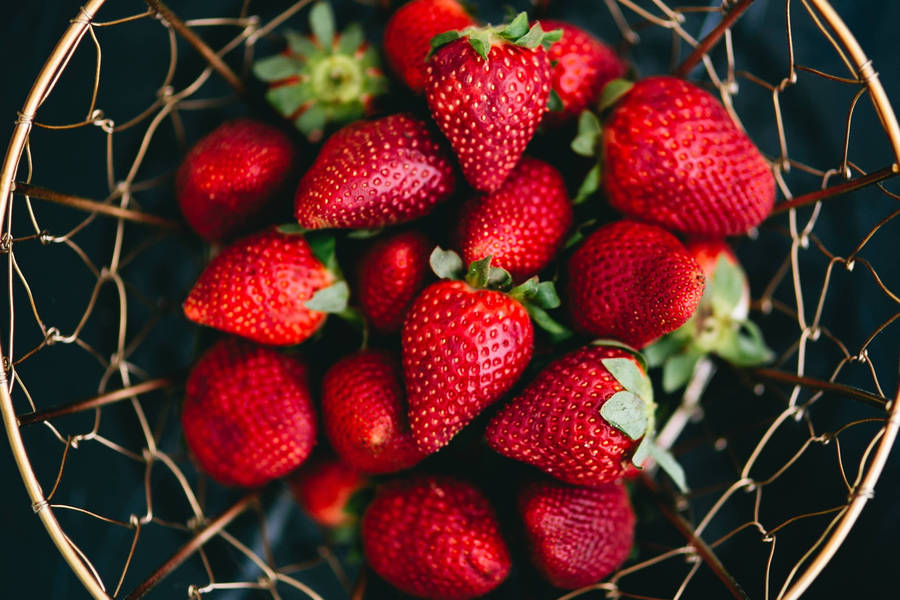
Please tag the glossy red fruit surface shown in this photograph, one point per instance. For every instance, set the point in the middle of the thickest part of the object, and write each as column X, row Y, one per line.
column 230, row 175
column 632, row 282
column 323, row 487
column 247, row 415
column 390, row 274
column 364, row 413
column 577, row 535
column 555, row 423
column 488, row 109
column 257, row 288
column 375, row 173
column 522, row 224
column 436, row 538
column 582, row 66
column 408, row 33
column 674, row 157
column 462, row 350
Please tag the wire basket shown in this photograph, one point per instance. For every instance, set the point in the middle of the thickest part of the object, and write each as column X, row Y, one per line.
column 782, row 461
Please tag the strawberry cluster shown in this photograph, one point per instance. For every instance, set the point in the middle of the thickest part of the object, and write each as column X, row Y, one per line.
column 447, row 336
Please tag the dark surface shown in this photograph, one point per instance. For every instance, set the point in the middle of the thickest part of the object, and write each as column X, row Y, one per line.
column 30, row 565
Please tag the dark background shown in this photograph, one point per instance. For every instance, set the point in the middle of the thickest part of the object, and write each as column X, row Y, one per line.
column 31, row 566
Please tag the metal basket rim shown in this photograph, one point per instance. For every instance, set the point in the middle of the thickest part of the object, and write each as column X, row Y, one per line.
column 44, row 84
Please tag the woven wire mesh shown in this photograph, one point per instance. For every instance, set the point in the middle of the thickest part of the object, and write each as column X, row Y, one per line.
column 119, row 417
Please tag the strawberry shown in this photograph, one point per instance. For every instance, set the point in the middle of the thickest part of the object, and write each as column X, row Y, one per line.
column 435, row 537
column 522, row 224
column 487, row 90
column 259, row 288
column 633, row 282
column 247, row 414
column 582, row 65
column 322, row 488
column 674, row 157
column 375, row 173
column 323, row 78
column 577, row 535
column 463, row 348
column 584, row 418
column 389, row 276
column 408, row 33
column 556, row 423
column 719, row 326
column 230, row 175
column 364, row 413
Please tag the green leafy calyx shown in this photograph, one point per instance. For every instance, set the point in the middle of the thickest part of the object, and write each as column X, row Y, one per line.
column 515, row 32
column 324, row 77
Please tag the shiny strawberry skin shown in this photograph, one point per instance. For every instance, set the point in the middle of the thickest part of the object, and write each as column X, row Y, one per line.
column 521, row 225
column 390, row 274
column 247, row 415
column 436, row 538
column 257, row 287
column 583, row 65
column 577, row 535
column 462, row 350
column 555, row 423
column 364, row 413
column 488, row 110
column 323, row 487
column 230, row 175
column 408, row 33
column 632, row 282
column 375, row 173
column 674, row 157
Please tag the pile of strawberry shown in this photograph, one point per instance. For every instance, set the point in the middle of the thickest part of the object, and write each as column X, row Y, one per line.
column 448, row 335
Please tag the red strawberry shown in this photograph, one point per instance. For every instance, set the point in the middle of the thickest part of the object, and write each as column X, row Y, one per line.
column 247, row 414
column 583, row 65
column 408, row 33
column 230, row 175
column 375, row 173
column 487, row 90
column 322, row 489
column 258, row 288
column 632, row 282
column 674, row 157
column 577, row 535
column 389, row 276
column 556, row 423
column 522, row 224
column 463, row 348
column 435, row 537
column 364, row 413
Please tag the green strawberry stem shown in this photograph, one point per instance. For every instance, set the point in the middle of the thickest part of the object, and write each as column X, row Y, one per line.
column 690, row 402
column 516, row 32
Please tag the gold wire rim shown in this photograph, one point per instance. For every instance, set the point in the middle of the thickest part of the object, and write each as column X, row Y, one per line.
column 45, row 82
